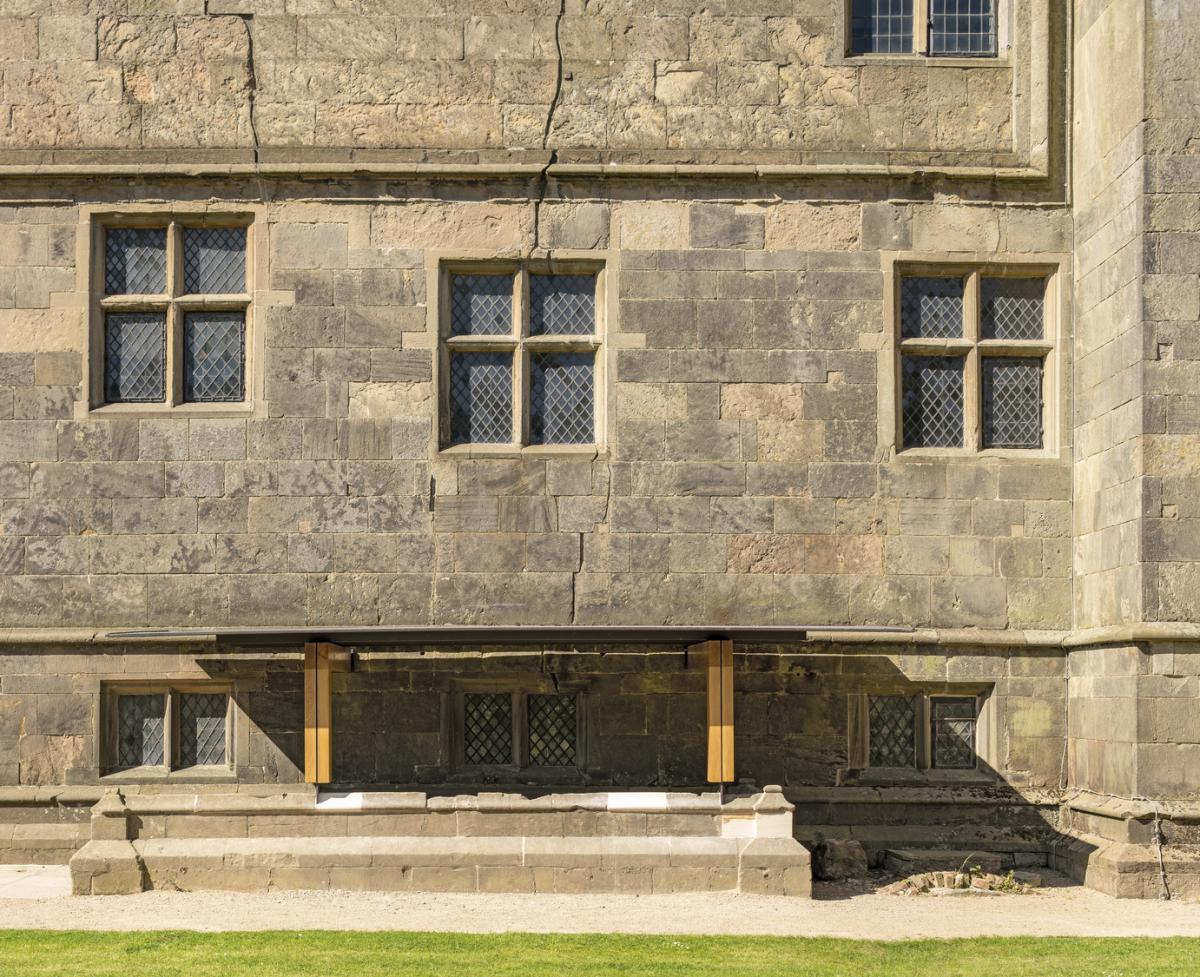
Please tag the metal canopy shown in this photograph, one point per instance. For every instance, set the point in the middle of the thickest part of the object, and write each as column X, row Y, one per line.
column 501, row 635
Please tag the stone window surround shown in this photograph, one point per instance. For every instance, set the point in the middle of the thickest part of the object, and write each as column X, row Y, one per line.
column 987, row 749
column 1054, row 267
column 94, row 221
column 106, row 741
column 520, row 688
column 442, row 264
column 1005, row 17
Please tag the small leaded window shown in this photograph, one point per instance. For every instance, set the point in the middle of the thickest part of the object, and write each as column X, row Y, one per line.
column 952, row 733
column 520, row 358
column 893, row 731
column 973, row 353
column 170, row 729
column 488, row 728
column 552, row 730
column 955, row 28
column 172, row 314
column 517, row 729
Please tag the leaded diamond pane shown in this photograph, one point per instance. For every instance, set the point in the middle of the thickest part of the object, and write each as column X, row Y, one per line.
column 135, row 261
column 561, row 398
column 140, row 723
column 214, row 260
column 962, row 27
column 954, row 733
column 562, row 305
column 214, row 356
column 488, row 728
column 1013, row 308
column 892, row 720
column 202, row 729
column 931, row 308
column 552, row 730
column 881, row 27
column 1012, row 402
column 481, row 398
column 481, row 305
column 135, row 357
column 933, row 401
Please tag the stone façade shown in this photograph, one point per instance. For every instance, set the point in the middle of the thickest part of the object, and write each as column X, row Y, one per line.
column 748, row 189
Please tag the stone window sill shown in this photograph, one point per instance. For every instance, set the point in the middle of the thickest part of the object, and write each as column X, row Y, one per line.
column 881, row 777
column 156, row 775
column 519, row 451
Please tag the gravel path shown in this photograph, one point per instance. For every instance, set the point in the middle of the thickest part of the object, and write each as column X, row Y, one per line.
column 846, row 910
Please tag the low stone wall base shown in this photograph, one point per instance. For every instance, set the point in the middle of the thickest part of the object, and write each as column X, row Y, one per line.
column 767, row 866
column 640, row 842
column 1129, row 871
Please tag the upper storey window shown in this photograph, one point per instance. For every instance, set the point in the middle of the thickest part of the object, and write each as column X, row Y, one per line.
column 172, row 304
column 519, row 360
column 974, row 347
column 939, row 28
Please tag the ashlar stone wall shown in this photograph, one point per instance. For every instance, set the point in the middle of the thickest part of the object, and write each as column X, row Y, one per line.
column 676, row 79
column 748, row 471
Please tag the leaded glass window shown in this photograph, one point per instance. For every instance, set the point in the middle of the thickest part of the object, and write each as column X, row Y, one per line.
column 552, row 729
column 952, row 732
column 974, row 352
column 881, row 26
column 172, row 315
column 214, row 357
column 893, row 731
column 488, row 728
column 135, row 357
column 167, row 727
column 141, row 732
column 561, row 398
column 933, row 402
column 519, row 364
column 1012, row 402
column 962, row 28
column 202, row 718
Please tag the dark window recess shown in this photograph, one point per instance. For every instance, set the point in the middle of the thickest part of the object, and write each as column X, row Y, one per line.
column 932, row 401
column 962, row 28
column 953, row 733
column 881, row 27
column 488, row 728
column 553, row 729
column 141, row 727
column 892, row 731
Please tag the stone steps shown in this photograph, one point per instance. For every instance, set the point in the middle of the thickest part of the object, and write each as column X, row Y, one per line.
column 41, row 843
column 775, row 866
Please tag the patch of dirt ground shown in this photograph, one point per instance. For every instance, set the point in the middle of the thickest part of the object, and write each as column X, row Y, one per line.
column 849, row 909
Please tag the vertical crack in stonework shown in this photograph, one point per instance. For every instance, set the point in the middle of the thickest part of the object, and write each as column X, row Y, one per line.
column 252, row 91
column 547, row 127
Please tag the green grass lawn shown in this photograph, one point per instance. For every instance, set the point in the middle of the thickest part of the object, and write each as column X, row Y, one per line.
column 26, row 953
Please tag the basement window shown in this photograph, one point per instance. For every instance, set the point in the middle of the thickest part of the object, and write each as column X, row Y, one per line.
column 510, row 731
column 937, row 28
column 163, row 730
column 924, row 731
